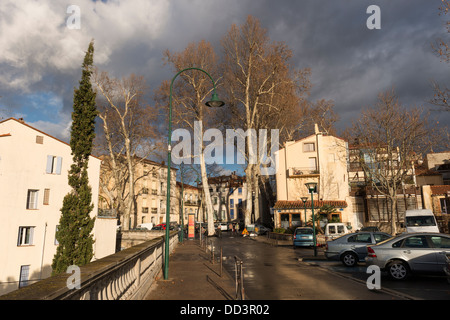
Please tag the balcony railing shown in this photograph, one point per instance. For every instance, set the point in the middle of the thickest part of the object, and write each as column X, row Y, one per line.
column 107, row 213
column 302, row 171
column 125, row 275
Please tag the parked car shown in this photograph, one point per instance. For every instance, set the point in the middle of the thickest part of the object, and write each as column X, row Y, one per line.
column 162, row 226
column 335, row 230
column 145, row 226
column 371, row 229
column 303, row 237
column 447, row 267
column 409, row 253
column 351, row 248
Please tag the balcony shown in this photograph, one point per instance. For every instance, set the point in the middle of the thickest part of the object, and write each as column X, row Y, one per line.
column 303, row 171
column 107, row 213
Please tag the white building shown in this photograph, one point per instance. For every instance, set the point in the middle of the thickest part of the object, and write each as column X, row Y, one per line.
column 33, row 182
column 228, row 196
column 317, row 158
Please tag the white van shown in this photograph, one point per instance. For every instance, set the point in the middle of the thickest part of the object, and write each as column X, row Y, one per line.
column 421, row 220
column 147, row 226
column 334, row 230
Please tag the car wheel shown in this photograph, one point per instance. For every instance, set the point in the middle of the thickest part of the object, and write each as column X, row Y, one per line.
column 398, row 270
column 349, row 259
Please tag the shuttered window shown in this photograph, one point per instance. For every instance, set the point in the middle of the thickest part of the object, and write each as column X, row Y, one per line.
column 54, row 165
column 46, row 196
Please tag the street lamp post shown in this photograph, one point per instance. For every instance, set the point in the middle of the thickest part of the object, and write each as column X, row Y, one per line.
column 304, row 205
column 182, row 204
column 214, row 102
column 311, row 188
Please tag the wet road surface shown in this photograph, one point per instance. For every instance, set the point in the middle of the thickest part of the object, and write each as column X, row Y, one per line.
column 275, row 273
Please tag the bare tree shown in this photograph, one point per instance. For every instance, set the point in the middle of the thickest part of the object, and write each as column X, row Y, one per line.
column 189, row 94
column 262, row 88
column 441, row 96
column 390, row 138
column 322, row 113
column 126, row 139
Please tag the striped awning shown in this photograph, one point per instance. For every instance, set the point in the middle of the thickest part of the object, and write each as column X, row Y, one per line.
column 317, row 204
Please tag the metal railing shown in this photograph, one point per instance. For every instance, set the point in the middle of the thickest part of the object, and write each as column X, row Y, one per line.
column 239, row 278
column 125, row 275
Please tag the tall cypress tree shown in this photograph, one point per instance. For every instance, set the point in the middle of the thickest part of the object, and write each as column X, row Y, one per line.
column 75, row 225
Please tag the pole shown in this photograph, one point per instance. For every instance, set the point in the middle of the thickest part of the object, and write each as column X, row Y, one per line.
column 169, row 162
column 305, row 212
column 182, row 205
column 314, row 223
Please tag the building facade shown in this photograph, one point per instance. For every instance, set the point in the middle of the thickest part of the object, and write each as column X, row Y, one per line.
column 150, row 192
column 229, row 198
column 34, row 170
column 318, row 158
column 190, row 202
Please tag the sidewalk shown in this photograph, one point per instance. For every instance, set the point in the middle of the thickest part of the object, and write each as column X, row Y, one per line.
column 192, row 276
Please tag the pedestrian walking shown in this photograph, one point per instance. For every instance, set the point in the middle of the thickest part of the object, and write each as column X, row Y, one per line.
column 219, row 231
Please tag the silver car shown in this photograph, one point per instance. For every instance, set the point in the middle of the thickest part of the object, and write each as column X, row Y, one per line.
column 410, row 253
column 351, row 248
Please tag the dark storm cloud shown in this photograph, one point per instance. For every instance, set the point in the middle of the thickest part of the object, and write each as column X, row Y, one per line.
column 350, row 64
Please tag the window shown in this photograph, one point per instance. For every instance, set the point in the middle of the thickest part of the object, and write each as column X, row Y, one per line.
column 232, row 213
column 25, row 236
column 56, row 231
column 239, row 190
column 380, row 237
column 46, row 197
column 415, row 242
column 53, row 165
column 361, row 238
column 32, row 199
column 440, row 242
column 444, row 207
column 24, row 276
column 39, row 139
column 144, row 209
column 312, row 163
column 309, row 147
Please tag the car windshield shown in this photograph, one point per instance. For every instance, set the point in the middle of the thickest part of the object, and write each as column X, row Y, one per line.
column 303, row 231
column 420, row 221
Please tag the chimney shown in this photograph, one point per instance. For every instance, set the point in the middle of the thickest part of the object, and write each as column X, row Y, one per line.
column 21, row 120
column 316, row 129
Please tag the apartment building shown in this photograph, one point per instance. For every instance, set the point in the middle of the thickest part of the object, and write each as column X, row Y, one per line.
column 192, row 201
column 229, row 198
column 34, row 170
column 150, row 192
column 317, row 158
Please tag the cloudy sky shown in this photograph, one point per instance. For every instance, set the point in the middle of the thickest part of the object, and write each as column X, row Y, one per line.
column 40, row 55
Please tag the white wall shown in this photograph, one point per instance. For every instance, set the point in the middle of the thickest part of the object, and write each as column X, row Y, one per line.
column 23, row 164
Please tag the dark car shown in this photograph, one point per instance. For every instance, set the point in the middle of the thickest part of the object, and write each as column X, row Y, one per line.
column 303, row 237
column 351, row 248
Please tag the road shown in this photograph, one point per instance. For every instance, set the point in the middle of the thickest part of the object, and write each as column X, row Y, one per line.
column 277, row 273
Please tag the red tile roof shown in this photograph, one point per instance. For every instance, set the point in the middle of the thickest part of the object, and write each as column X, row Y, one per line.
column 317, row 204
column 440, row 189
